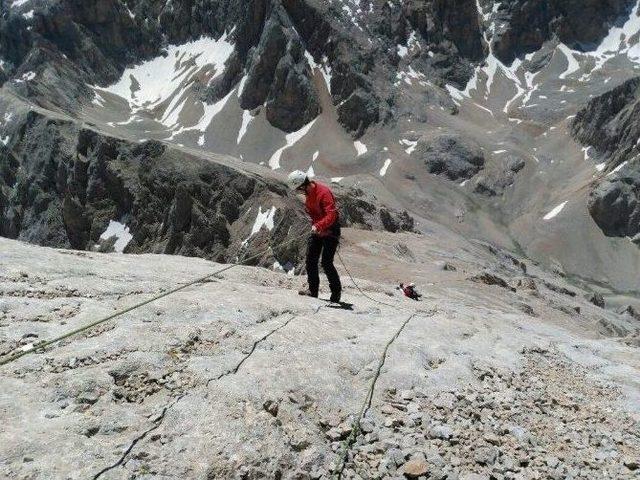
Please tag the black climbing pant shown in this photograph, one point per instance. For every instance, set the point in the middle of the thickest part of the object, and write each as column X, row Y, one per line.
column 324, row 247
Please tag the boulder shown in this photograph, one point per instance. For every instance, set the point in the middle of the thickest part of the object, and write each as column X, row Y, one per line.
column 450, row 155
column 615, row 204
column 596, row 298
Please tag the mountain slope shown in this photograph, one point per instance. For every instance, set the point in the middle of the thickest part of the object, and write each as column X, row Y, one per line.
column 396, row 99
column 206, row 384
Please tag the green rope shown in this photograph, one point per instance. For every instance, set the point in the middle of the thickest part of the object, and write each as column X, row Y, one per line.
column 355, row 429
column 46, row 343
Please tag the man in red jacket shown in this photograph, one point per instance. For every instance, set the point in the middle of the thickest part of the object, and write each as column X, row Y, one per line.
column 325, row 233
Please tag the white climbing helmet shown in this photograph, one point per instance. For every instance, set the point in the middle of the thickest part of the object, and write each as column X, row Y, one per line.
column 297, row 179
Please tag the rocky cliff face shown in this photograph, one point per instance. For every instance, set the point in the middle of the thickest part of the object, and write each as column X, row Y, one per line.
column 610, row 124
column 439, row 107
column 63, row 186
column 526, row 25
column 93, row 41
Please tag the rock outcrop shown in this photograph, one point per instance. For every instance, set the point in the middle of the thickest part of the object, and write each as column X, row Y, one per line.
column 615, row 203
column 525, row 25
column 452, row 156
column 610, row 123
column 62, row 186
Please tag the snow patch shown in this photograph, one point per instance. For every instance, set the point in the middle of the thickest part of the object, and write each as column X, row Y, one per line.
column 242, row 84
column 360, row 147
column 553, row 213
column 410, row 144
column 210, row 111
column 573, row 66
column 263, row 219
column 246, row 119
column 291, row 139
column 383, row 170
column 155, row 81
column 617, row 169
column 121, row 232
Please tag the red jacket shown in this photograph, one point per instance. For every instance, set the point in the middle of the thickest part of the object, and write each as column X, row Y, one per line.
column 321, row 207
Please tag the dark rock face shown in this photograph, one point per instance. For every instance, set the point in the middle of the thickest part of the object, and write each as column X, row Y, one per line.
column 611, row 124
column 615, row 204
column 452, row 31
column 451, row 155
column 90, row 42
column 61, row 185
column 496, row 182
column 597, row 299
column 524, row 25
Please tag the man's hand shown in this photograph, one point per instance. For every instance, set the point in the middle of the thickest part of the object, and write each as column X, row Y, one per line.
column 314, row 229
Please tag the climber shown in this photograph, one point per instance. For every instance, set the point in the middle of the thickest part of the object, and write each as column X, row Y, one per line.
column 410, row 291
column 325, row 233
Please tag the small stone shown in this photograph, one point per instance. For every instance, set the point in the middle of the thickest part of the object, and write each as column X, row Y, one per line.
column 492, row 439
column 366, row 426
column 272, row 407
column 551, row 461
column 473, row 476
column 407, row 395
column 299, row 443
column 448, row 267
column 443, row 432
column 632, row 464
column 393, row 422
column 414, row 468
column 485, row 456
column 597, row 299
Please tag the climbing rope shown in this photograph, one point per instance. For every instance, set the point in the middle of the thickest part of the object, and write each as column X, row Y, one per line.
column 356, row 429
column 33, row 348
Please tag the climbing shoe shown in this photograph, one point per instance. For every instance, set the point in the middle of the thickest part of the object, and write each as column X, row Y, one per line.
column 308, row 293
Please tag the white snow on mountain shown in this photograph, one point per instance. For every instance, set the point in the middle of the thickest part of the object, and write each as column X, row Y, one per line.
column 617, row 169
column 383, row 170
column 553, row 213
column 152, row 82
column 121, row 232
column 410, row 144
column 290, row 139
column 241, row 85
column 210, row 111
column 573, row 66
column 360, row 147
column 263, row 219
column 621, row 40
column 246, row 119
column 324, row 68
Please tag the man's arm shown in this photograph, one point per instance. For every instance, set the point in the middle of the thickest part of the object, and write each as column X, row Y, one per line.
column 330, row 210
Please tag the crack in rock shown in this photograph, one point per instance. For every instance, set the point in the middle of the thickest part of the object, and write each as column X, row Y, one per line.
column 157, row 422
column 234, row 370
column 367, row 404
